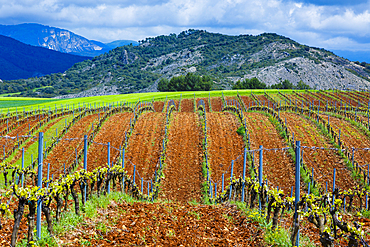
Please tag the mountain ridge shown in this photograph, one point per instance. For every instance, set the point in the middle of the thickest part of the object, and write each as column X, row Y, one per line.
column 57, row 39
column 225, row 59
column 19, row 60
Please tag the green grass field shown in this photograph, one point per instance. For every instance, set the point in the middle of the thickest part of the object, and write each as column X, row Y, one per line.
column 12, row 103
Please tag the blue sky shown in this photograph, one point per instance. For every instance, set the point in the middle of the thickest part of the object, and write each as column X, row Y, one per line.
column 334, row 25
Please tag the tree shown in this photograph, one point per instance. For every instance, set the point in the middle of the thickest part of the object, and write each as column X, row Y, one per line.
column 162, row 85
column 302, row 86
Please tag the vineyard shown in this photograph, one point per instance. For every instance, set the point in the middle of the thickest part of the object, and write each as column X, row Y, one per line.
column 201, row 170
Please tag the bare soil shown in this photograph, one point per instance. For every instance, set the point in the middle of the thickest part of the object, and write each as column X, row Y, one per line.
column 183, row 168
column 145, row 144
column 112, row 131
column 225, row 145
column 167, row 224
column 216, row 104
column 323, row 161
column 278, row 166
column 187, row 105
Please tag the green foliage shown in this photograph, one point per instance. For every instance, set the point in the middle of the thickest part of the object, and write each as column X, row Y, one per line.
column 253, row 83
column 190, row 82
column 241, row 131
column 132, row 68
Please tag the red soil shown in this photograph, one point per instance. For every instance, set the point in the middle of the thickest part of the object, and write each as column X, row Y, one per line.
column 158, row 106
column 187, row 105
column 112, row 131
column 64, row 151
column 278, row 166
column 169, row 224
column 248, row 101
column 225, row 145
column 145, row 144
column 216, row 104
column 183, row 169
column 323, row 161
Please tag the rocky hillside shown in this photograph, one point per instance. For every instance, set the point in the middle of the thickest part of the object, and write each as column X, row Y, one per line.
column 58, row 39
column 226, row 59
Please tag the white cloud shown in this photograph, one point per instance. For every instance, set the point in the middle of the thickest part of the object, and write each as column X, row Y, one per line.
column 328, row 26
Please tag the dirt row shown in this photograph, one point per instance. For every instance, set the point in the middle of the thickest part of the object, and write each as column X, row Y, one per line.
column 264, row 100
column 361, row 101
column 331, row 101
column 353, row 137
column 225, row 145
column 323, row 161
column 187, row 105
column 216, row 104
column 248, row 101
column 145, row 144
column 158, row 106
column 278, row 166
column 183, row 174
column 112, row 131
column 343, row 99
column 20, row 130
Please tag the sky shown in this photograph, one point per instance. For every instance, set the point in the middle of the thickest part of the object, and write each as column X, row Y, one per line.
column 336, row 25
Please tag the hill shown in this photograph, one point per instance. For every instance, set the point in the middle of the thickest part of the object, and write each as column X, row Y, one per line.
column 18, row 60
column 225, row 59
column 58, row 39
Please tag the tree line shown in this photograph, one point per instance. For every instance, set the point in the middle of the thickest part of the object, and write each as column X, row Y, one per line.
column 254, row 83
column 189, row 82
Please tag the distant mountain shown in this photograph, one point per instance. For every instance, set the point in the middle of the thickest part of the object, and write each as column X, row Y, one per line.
column 225, row 59
column 57, row 39
column 19, row 60
column 119, row 43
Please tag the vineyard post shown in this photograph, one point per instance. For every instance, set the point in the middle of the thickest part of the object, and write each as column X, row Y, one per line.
column 326, row 188
column 244, row 168
column 223, row 181
column 368, row 174
column 64, row 168
column 334, row 185
column 291, row 195
column 22, row 166
column 353, row 153
column 231, row 178
column 85, row 164
column 260, row 171
column 215, row 190
column 133, row 179
column 108, row 160
column 297, row 186
column 123, row 167
column 47, row 177
column 142, row 185
column 39, row 184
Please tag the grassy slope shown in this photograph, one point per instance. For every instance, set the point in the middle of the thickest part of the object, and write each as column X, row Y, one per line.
column 13, row 102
